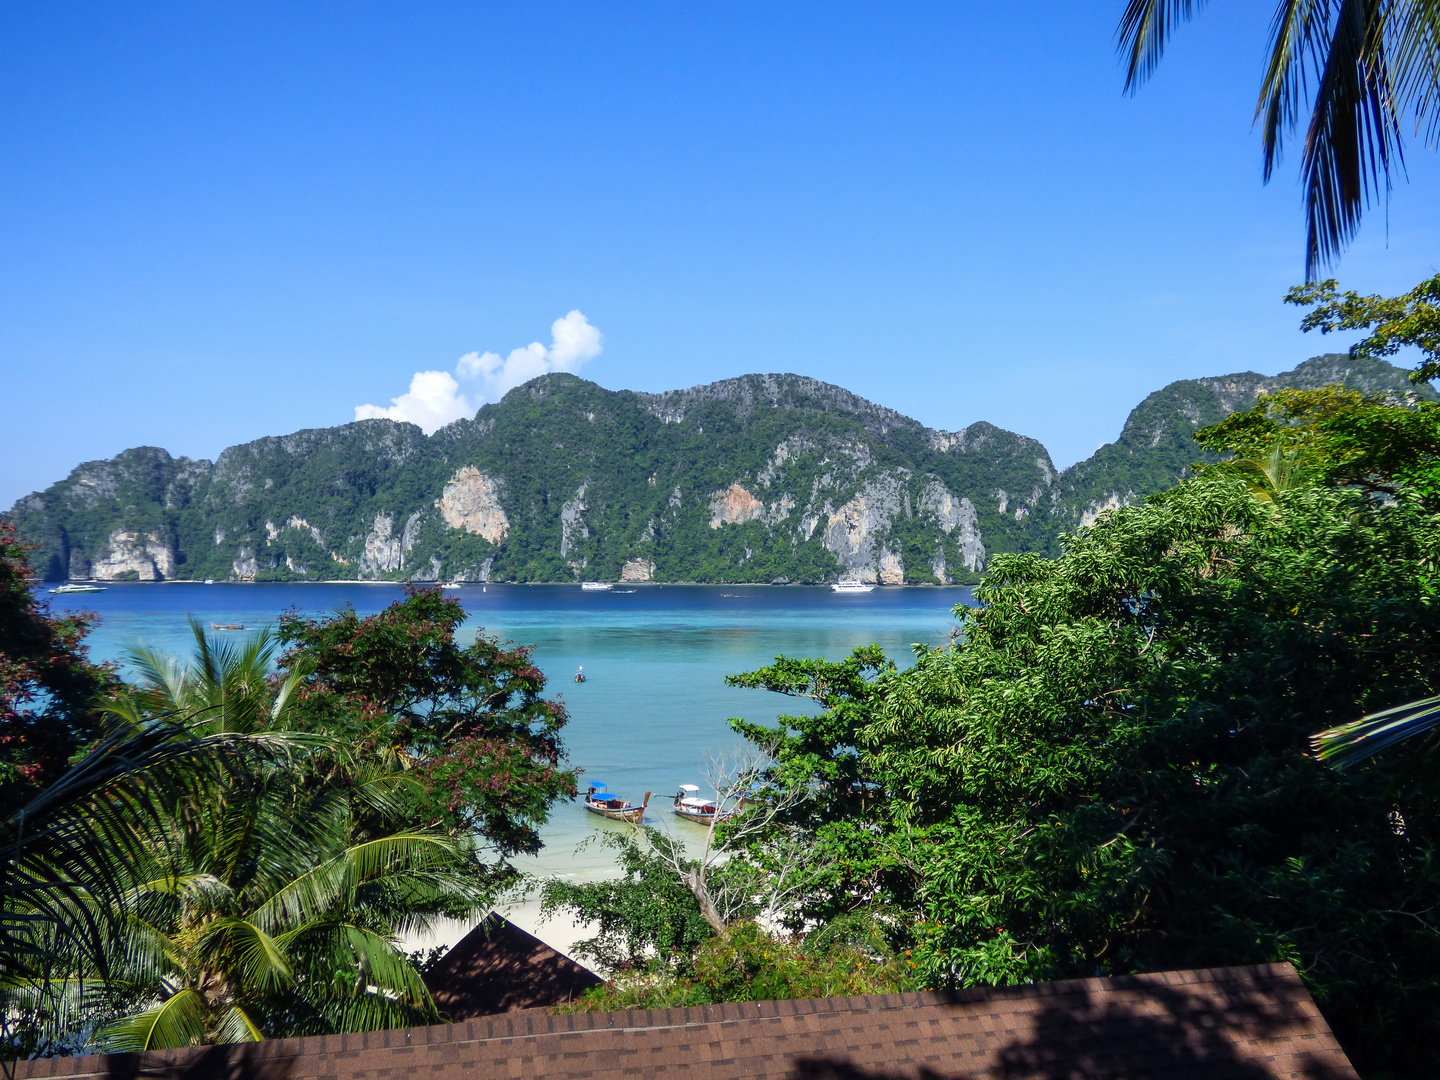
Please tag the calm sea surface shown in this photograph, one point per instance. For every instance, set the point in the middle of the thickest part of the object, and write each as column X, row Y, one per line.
column 655, row 702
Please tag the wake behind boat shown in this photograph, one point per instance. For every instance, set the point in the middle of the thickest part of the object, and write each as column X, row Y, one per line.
column 599, row 800
column 77, row 586
column 851, row 585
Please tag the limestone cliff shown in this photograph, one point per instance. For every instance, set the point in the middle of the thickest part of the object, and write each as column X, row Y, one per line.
column 755, row 479
column 136, row 556
column 471, row 501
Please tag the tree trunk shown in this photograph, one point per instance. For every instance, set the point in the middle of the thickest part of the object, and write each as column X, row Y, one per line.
column 695, row 882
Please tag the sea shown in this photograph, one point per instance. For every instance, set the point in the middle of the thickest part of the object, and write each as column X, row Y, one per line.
column 651, row 713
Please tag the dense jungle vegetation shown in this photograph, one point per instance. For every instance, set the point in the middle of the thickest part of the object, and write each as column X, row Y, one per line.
column 1114, row 768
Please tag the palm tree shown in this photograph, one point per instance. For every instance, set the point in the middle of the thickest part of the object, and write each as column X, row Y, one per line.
column 270, row 923
column 1280, row 470
column 277, row 912
column 64, row 860
column 1363, row 65
column 249, row 907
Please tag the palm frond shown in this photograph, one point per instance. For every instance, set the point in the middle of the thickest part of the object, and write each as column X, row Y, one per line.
column 1145, row 30
column 243, row 948
column 176, row 1022
column 318, row 892
column 1349, row 744
column 236, row 1026
column 1353, row 141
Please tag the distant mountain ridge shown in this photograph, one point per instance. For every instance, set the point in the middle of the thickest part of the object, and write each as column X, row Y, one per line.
column 756, row 478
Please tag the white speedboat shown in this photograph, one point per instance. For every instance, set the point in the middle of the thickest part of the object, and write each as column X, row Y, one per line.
column 76, row 586
column 851, row 585
column 596, row 586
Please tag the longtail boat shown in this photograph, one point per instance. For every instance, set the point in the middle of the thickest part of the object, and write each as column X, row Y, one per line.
column 599, row 800
column 692, row 807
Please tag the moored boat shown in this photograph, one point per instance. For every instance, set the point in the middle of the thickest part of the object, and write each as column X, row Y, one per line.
column 691, row 807
column 599, row 800
column 596, row 586
column 851, row 585
column 77, row 586
column 227, row 626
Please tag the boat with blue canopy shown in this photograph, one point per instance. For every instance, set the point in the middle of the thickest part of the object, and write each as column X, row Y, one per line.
column 600, row 800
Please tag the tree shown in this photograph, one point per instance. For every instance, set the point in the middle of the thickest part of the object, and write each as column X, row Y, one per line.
column 468, row 725
column 1371, row 64
column 1370, row 444
column 268, row 900
column 65, row 861
column 48, row 685
column 1109, row 771
column 272, row 905
column 1411, row 320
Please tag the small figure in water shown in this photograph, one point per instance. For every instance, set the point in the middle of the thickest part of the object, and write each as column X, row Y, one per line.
column 580, row 675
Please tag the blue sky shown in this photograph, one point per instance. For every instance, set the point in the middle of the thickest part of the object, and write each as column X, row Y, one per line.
column 224, row 221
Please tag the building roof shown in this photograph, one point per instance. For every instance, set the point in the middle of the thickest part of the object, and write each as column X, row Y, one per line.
column 1221, row 1024
column 498, row 967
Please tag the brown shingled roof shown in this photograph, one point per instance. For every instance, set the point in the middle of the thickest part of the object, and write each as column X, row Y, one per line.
column 498, row 967
column 1224, row 1024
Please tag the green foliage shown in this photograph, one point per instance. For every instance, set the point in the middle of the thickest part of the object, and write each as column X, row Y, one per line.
column 1110, row 769
column 644, row 914
column 467, row 727
column 747, row 964
column 377, row 781
column 1411, row 320
column 47, row 684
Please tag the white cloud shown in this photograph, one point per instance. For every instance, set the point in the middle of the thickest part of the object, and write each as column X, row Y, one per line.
column 435, row 398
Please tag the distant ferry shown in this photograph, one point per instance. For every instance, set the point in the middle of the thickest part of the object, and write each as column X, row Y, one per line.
column 449, row 584
column 77, row 586
column 851, row 585
column 596, row 586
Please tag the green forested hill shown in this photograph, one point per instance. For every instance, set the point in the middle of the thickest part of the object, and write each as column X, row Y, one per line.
column 758, row 478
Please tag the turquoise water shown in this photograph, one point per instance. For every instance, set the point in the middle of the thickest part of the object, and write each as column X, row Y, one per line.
column 654, row 704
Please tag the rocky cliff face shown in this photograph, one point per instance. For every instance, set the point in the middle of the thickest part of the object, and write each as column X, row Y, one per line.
column 751, row 479
column 134, row 556
column 471, row 501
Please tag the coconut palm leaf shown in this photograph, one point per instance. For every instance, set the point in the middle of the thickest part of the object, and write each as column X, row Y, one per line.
column 236, row 1026
column 177, row 1022
column 1349, row 744
column 319, row 891
column 65, row 856
column 1335, row 55
column 242, row 947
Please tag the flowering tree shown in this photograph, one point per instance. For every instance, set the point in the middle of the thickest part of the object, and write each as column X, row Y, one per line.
column 466, row 727
column 48, row 686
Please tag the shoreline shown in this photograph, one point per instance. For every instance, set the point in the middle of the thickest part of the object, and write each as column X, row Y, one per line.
column 107, row 583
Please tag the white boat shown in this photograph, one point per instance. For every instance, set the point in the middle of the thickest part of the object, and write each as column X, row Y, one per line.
column 851, row 585
column 596, row 586
column 76, row 586
column 209, row 581
column 449, row 584
column 691, row 807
